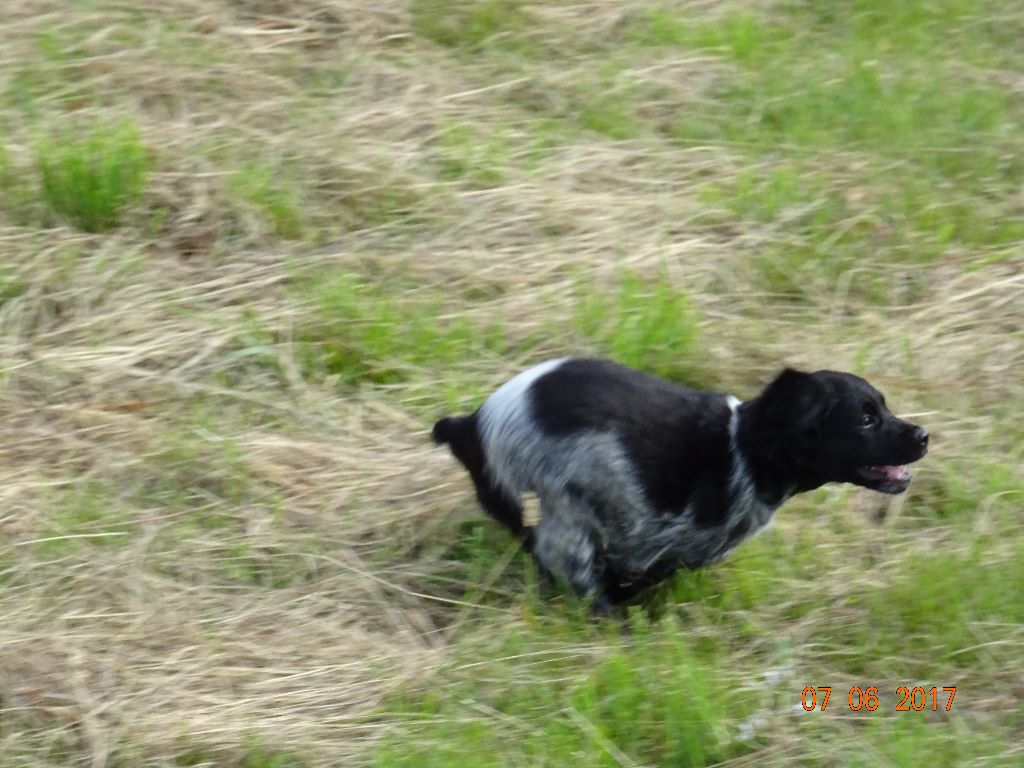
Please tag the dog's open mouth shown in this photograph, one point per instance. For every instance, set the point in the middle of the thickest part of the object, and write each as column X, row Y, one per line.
column 887, row 478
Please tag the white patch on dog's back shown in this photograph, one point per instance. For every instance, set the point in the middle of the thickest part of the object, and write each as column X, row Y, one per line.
column 508, row 401
column 507, row 429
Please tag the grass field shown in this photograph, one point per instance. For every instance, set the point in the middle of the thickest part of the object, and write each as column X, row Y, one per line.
column 252, row 249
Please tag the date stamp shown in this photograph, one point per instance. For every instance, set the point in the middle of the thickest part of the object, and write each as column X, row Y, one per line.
column 907, row 699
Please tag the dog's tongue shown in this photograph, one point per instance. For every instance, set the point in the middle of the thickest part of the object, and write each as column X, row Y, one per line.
column 892, row 472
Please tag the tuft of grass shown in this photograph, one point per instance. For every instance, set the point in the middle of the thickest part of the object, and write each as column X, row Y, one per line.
column 654, row 700
column 16, row 195
column 917, row 114
column 469, row 24
column 945, row 604
column 609, row 115
column 743, row 38
column 253, row 757
column 881, row 89
column 371, row 331
column 90, row 173
column 11, row 286
column 645, row 323
column 773, row 193
column 89, row 515
column 466, row 157
column 277, row 202
column 942, row 605
column 672, row 711
column 902, row 740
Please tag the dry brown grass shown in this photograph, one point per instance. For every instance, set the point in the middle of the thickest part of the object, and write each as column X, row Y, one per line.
column 131, row 370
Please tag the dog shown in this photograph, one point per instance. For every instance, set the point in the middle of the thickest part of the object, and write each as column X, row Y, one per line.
column 638, row 477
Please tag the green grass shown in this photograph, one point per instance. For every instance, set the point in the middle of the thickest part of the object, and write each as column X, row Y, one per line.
column 16, row 194
column 275, row 200
column 226, row 522
column 664, row 695
column 650, row 697
column 11, row 287
column 886, row 89
column 645, row 323
column 91, row 173
column 377, row 331
column 743, row 38
column 470, row 24
column 903, row 740
column 467, row 156
column 88, row 516
column 371, row 331
column 253, row 757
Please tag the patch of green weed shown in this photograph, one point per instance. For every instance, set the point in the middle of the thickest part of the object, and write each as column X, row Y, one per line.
column 644, row 323
column 17, row 197
column 467, row 156
column 653, row 700
column 469, row 24
column 92, row 172
column 774, row 193
column 951, row 742
column 612, row 116
column 276, row 201
column 669, row 711
column 252, row 757
column 89, row 514
column 384, row 331
column 743, row 38
column 948, row 607
column 603, row 103
column 11, row 286
column 976, row 32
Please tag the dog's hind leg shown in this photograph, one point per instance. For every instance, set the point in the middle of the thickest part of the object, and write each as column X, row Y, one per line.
column 501, row 505
column 462, row 436
column 566, row 545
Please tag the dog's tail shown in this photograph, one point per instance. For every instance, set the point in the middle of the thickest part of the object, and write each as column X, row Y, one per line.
column 462, row 435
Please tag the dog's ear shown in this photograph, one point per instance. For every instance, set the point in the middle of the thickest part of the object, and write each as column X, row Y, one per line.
column 795, row 404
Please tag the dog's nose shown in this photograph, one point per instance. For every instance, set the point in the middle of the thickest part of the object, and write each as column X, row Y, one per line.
column 921, row 436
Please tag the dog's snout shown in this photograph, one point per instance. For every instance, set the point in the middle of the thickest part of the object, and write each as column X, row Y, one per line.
column 921, row 436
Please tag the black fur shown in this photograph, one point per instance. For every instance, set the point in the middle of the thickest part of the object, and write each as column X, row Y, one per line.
column 806, row 430
column 678, row 439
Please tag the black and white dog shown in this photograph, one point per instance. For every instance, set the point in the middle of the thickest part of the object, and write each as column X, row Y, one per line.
column 638, row 477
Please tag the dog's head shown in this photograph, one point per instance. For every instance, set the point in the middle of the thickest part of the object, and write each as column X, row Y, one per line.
column 837, row 428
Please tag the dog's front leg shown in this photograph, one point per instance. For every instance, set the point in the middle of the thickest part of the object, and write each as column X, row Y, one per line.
column 565, row 545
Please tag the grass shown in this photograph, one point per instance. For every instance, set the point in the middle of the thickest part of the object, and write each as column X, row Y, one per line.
column 648, row 324
column 470, row 24
column 92, row 173
column 680, row 705
column 365, row 330
column 470, row 158
column 229, row 321
column 277, row 203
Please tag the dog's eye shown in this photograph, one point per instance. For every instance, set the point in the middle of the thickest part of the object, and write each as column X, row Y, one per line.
column 869, row 417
